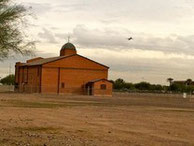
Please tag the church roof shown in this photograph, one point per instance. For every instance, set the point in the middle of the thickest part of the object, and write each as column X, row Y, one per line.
column 44, row 61
column 52, row 59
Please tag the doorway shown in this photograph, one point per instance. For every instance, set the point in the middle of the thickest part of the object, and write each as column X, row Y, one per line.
column 89, row 89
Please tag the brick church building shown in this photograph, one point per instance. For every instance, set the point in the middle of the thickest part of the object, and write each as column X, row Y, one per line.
column 69, row 73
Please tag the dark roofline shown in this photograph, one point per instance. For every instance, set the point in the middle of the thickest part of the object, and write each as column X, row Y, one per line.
column 40, row 64
column 93, row 81
column 62, row 57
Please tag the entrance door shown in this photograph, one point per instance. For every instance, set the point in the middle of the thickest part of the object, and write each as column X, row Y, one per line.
column 89, row 89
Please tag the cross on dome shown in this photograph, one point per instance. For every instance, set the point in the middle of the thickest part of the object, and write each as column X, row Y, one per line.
column 68, row 38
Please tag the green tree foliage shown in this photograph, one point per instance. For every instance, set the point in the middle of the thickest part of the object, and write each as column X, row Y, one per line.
column 187, row 87
column 143, row 86
column 12, row 25
column 177, row 87
column 158, row 87
column 129, row 86
column 8, row 80
column 188, row 81
column 120, row 84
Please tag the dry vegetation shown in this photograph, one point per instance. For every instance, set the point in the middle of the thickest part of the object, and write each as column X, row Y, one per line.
column 31, row 119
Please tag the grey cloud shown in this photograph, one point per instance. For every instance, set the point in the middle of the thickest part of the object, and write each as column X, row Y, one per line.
column 112, row 11
column 138, row 10
column 47, row 36
column 62, row 35
column 147, row 65
column 117, row 39
column 178, row 44
column 98, row 39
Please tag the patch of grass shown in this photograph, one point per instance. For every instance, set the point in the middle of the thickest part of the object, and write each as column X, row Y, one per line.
column 26, row 104
column 98, row 102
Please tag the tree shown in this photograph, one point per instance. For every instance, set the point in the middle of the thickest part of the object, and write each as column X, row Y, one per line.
column 157, row 87
column 119, row 84
column 189, row 88
column 170, row 80
column 129, row 86
column 189, row 81
column 177, row 87
column 12, row 36
column 8, row 80
column 143, row 86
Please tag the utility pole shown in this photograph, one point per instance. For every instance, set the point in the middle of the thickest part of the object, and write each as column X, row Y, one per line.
column 9, row 75
column 10, row 69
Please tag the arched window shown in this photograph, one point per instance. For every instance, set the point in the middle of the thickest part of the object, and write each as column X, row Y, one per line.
column 103, row 86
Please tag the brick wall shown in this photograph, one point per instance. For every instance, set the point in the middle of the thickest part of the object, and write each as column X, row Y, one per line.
column 33, row 82
column 97, row 91
column 28, row 79
column 49, row 80
column 64, row 52
column 63, row 80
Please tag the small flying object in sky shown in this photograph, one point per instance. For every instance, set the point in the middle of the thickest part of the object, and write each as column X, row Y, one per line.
column 130, row 38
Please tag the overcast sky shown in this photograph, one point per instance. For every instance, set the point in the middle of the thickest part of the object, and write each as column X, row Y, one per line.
column 163, row 44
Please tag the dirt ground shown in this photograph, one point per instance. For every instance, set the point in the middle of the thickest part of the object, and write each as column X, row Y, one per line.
column 137, row 120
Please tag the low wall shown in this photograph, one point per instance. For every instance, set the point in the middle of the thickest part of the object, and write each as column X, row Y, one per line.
column 151, row 94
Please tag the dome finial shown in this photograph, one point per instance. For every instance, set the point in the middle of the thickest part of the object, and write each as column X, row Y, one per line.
column 68, row 38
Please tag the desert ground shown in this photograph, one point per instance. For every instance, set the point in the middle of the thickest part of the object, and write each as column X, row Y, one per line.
column 121, row 120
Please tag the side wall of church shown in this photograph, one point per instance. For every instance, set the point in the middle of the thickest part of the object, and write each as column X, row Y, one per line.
column 34, row 77
column 74, row 80
column 69, row 81
column 49, row 80
column 28, row 79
